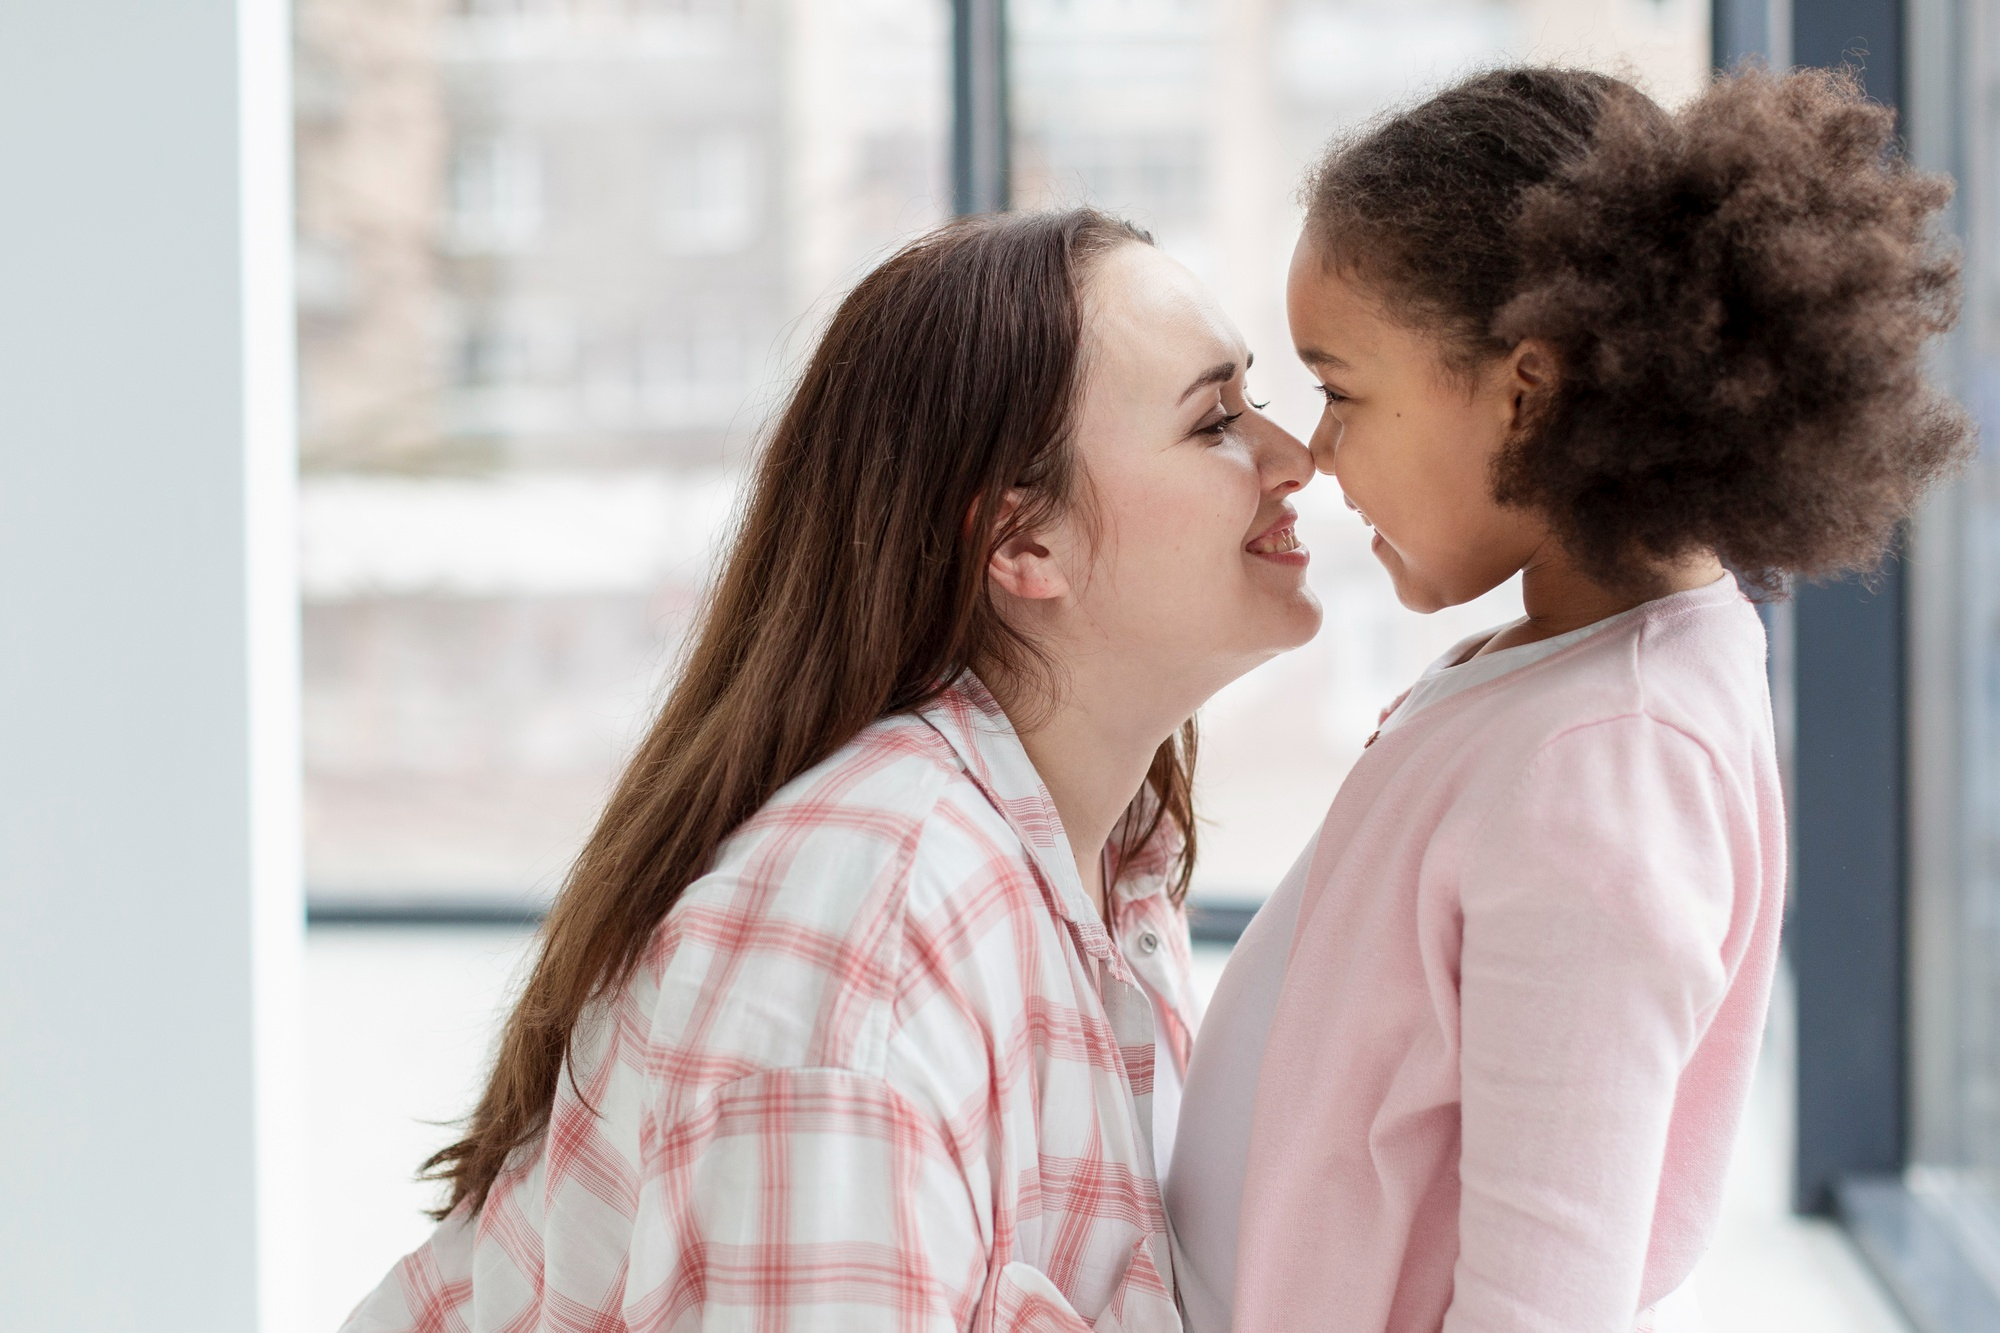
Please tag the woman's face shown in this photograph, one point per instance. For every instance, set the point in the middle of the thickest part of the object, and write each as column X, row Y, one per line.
column 1412, row 445
column 1180, row 558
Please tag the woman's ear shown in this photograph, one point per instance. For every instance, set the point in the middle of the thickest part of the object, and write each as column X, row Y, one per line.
column 1021, row 564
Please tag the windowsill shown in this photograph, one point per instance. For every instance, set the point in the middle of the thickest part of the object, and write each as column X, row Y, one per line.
column 1921, row 1251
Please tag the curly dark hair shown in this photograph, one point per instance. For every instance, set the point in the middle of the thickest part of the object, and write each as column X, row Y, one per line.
column 1738, row 295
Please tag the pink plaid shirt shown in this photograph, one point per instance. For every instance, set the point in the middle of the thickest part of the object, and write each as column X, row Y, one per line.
column 882, row 1068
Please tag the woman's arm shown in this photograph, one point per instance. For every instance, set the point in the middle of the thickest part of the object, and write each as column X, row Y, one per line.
column 1596, row 907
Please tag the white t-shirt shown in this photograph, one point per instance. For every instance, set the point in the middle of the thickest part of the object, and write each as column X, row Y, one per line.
column 1204, row 1188
column 1455, row 672
column 1166, row 1107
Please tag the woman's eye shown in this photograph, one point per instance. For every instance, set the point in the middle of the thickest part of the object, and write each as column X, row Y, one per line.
column 1254, row 403
column 1220, row 426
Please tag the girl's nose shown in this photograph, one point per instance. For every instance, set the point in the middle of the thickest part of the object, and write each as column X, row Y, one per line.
column 1326, row 441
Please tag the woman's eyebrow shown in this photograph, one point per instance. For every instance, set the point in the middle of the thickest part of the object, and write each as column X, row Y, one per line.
column 1220, row 373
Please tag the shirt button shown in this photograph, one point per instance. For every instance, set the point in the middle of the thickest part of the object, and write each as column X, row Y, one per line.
column 1148, row 942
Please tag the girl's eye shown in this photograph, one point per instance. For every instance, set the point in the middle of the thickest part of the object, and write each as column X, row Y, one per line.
column 1332, row 395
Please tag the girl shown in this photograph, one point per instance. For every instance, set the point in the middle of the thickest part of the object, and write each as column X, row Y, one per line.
column 1500, row 1021
column 856, row 1006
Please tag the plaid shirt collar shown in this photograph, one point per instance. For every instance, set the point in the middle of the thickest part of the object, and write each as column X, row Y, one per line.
column 978, row 730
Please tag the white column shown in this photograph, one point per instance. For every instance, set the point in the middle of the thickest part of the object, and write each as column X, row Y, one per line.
column 150, row 924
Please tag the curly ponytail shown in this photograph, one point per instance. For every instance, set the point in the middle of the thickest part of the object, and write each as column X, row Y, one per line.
column 1739, row 296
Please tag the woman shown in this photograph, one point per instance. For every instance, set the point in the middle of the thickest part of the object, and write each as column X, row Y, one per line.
column 863, row 1001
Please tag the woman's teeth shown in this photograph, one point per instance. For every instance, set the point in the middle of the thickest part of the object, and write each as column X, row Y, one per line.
column 1277, row 543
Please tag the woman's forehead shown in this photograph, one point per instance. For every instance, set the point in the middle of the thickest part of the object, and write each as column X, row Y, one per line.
column 1146, row 308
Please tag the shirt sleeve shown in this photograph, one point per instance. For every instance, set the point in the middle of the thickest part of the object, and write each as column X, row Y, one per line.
column 1597, row 902
column 820, row 1198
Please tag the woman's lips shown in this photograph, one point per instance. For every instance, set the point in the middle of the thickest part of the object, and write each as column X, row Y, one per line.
column 1276, row 542
column 1280, row 543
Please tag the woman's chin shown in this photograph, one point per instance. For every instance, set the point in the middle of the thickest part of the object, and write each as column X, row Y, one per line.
column 1307, row 616
column 1296, row 621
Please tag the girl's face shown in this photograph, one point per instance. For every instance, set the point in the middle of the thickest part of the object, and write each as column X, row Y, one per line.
column 1179, row 564
column 1411, row 443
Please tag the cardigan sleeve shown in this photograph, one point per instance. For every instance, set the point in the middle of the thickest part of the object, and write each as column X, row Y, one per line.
column 1596, row 903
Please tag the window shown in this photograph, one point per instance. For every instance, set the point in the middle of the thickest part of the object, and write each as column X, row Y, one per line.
column 551, row 252
column 556, row 257
column 1955, row 981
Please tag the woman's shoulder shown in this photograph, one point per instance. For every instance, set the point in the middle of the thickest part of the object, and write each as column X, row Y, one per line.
column 793, row 948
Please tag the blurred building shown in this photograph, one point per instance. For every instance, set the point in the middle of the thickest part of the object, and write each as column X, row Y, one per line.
column 550, row 253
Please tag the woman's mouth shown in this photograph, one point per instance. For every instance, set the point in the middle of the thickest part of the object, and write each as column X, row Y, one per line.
column 1276, row 543
column 1280, row 543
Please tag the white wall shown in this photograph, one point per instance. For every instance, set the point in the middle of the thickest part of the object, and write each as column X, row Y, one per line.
column 149, row 900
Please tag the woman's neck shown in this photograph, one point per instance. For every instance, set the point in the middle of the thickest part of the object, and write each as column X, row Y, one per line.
column 1559, row 597
column 1093, row 747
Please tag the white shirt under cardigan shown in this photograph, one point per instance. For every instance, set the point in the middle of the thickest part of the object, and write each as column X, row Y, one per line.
column 1204, row 1186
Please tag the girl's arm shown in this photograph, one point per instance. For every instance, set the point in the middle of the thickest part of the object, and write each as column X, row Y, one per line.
column 1597, row 906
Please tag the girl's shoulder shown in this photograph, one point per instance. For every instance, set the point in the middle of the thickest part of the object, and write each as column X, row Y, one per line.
column 1694, row 662
column 1695, row 659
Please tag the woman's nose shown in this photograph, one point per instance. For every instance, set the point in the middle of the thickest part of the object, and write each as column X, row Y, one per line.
column 1284, row 460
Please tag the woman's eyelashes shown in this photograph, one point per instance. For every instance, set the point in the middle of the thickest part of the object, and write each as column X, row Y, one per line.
column 1218, row 426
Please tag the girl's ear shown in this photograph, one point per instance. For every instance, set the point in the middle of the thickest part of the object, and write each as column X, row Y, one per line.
column 1021, row 564
column 1531, row 375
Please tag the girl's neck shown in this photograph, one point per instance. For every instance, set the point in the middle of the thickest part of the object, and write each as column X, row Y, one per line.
column 1092, row 748
column 1558, row 597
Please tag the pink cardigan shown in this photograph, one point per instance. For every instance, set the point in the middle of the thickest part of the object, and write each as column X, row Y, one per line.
column 1525, row 995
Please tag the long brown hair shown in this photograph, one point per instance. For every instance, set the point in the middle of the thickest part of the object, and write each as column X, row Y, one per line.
column 856, row 588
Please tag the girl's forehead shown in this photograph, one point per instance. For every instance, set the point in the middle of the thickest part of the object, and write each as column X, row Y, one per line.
column 1338, row 324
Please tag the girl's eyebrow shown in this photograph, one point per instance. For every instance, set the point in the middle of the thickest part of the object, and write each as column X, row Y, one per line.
column 1312, row 356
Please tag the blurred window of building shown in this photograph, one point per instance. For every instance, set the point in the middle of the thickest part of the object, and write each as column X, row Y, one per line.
column 709, row 191
column 495, row 195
